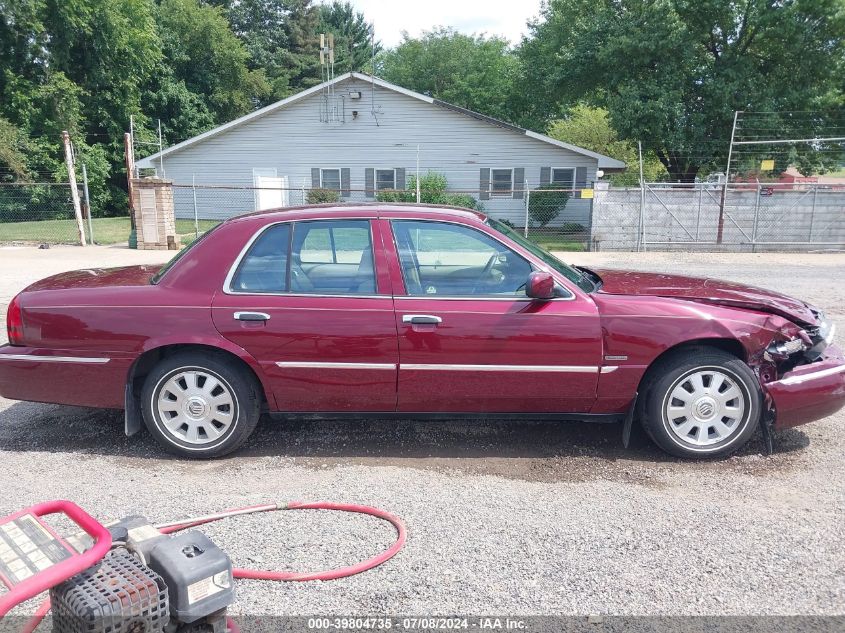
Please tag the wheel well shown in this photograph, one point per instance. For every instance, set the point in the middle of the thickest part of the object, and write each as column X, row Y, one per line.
column 146, row 361
column 727, row 345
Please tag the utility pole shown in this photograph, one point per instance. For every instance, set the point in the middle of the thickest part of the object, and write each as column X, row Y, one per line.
column 130, row 171
column 74, row 192
column 87, row 203
column 724, row 195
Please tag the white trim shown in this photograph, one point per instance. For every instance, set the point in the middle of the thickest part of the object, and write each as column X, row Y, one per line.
column 339, row 178
column 376, row 170
column 501, row 194
column 566, row 369
column 604, row 162
column 322, row 365
column 55, row 359
column 608, row 369
column 822, row 373
column 569, row 169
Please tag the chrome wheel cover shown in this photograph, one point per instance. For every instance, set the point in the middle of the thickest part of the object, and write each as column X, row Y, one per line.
column 705, row 407
column 195, row 406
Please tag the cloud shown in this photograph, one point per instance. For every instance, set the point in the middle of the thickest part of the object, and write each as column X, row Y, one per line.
column 391, row 17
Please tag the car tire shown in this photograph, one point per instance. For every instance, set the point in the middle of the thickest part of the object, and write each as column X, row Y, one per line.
column 701, row 403
column 200, row 405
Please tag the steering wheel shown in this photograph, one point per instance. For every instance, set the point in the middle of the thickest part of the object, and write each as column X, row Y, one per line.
column 487, row 268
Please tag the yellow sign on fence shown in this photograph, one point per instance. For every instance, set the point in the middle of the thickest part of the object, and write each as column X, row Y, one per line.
column 586, row 193
column 767, row 165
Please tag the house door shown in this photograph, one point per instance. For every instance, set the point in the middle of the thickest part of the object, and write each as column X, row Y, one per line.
column 271, row 191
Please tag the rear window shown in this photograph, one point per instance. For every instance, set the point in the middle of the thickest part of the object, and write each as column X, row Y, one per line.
column 264, row 268
column 163, row 270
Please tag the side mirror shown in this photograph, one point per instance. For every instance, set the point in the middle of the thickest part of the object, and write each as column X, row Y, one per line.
column 540, row 285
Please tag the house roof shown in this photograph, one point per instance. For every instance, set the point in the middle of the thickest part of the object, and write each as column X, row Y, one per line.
column 604, row 162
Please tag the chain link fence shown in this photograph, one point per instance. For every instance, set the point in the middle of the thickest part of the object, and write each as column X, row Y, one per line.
column 38, row 213
column 556, row 218
column 709, row 216
column 658, row 216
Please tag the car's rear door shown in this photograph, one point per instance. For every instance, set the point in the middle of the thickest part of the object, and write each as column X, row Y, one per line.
column 311, row 301
column 469, row 338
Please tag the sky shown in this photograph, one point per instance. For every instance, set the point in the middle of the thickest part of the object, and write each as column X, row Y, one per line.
column 493, row 17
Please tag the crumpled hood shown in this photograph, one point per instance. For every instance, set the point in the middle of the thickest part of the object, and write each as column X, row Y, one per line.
column 624, row 282
column 98, row 277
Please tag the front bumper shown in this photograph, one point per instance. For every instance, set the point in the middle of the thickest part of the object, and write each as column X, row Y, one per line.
column 809, row 392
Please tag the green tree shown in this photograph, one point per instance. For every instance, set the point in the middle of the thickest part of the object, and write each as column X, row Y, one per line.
column 672, row 72
column 353, row 36
column 281, row 39
column 433, row 190
column 472, row 71
column 590, row 128
column 12, row 151
column 207, row 59
column 78, row 66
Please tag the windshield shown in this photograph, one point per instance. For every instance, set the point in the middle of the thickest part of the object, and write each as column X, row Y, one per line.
column 572, row 274
column 163, row 270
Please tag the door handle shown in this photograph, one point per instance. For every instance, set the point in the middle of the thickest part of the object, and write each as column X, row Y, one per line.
column 421, row 319
column 252, row 316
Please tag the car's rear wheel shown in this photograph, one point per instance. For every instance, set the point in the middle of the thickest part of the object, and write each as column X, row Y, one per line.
column 199, row 405
column 701, row 402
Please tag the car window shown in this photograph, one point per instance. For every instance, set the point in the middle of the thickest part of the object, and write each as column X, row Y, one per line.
column 264, row 267
column 445, row 259
column 332, row 257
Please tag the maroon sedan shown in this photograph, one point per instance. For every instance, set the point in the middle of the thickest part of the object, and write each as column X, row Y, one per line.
column 414, row 311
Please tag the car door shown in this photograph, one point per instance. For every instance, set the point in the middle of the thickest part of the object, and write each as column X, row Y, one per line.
column 307, row 301
column 469, row 338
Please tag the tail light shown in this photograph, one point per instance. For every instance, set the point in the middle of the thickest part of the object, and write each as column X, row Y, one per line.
column 14, row 322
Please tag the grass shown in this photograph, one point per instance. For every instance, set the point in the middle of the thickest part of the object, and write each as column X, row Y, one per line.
column 557, row 242
column 106, row 230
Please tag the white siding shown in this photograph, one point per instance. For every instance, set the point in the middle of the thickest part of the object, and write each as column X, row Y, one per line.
column 292, row 140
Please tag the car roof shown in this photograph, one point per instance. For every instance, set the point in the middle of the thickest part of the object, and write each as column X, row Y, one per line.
column 370, row 209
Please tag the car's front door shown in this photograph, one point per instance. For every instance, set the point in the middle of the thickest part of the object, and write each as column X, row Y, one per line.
column 307, row 301
column 469, row 338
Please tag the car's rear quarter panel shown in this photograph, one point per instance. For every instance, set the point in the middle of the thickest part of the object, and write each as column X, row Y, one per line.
column 91, row 322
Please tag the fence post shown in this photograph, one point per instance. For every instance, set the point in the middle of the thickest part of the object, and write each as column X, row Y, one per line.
column 756, row 220
column 87, row 202
column 74, row 191
column 813, row 212
column 641, row 224
column 700, row 188
column 196, row 217
column 527, row 206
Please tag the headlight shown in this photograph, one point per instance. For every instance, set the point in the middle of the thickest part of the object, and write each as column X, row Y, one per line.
column 827, row 331
column 784, row 349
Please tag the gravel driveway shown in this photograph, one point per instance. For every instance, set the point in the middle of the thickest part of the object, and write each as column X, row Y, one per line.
column 510, row 518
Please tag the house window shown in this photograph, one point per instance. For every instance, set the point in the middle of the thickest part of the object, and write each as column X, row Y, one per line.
column 501, row 182
column 330, row 179
column 563, row 178
column 385, row 179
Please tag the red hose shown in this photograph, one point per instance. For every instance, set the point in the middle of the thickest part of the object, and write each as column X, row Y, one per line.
column 282, row 576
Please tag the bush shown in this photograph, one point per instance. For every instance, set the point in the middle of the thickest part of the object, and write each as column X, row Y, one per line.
column 544, row 205
column 573, row 227
column 319, row 196
column 433, row 190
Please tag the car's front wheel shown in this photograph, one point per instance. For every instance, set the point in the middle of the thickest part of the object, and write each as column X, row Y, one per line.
column 199, row 405
column 702, row 403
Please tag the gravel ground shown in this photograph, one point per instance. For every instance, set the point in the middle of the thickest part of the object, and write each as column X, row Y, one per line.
column 508, row 518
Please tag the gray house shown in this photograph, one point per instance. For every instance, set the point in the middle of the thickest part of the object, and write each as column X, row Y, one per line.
column 358, row 135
